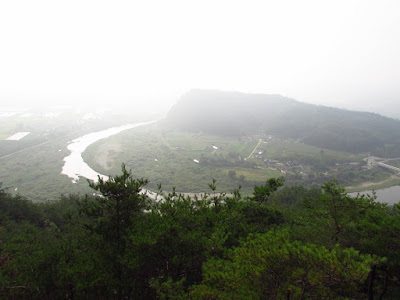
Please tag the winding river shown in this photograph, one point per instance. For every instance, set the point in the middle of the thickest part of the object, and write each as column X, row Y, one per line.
column 74, row 165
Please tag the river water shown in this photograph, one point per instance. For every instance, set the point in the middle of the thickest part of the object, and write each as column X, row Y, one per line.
column 74, row 165
column 389, row 195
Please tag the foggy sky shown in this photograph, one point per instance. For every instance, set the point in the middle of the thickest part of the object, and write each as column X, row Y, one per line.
column 336, row 53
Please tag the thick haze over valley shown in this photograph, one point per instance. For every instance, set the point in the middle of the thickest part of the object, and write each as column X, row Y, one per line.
column 149, row 53
column 199, row 149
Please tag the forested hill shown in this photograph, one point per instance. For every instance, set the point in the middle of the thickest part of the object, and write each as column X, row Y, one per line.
column 237, row 114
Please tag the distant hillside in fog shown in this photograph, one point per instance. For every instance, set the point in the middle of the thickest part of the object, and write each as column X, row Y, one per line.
column 238, row 114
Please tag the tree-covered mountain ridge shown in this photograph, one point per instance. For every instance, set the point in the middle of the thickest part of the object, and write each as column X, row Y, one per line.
column 240, row 114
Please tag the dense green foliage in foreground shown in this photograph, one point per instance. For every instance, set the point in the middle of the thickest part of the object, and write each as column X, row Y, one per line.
column 282, row 242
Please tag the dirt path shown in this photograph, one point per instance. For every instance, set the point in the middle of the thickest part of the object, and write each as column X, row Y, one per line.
column 259, row 142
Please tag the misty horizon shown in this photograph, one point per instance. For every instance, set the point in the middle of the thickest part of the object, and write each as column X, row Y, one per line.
column 342, row 54
column 163, row 105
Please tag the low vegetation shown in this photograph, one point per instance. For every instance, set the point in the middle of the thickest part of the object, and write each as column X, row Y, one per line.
column 32, row 166
column 168, row 157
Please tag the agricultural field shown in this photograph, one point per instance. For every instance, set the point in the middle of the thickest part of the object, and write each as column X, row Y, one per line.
column 189, row 161
column 31, row 166
column 37, row 174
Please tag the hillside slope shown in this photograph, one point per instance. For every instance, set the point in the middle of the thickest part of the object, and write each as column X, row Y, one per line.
column 238, row 114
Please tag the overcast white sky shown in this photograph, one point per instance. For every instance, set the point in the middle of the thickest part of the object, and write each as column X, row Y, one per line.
column 338, row 53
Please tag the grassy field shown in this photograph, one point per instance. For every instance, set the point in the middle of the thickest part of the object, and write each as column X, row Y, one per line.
column 37, row 174
column 203, row 144
column 153, row 156
column 279, row 149
column 259, row 175
column 169, row 158
column 34, row 168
